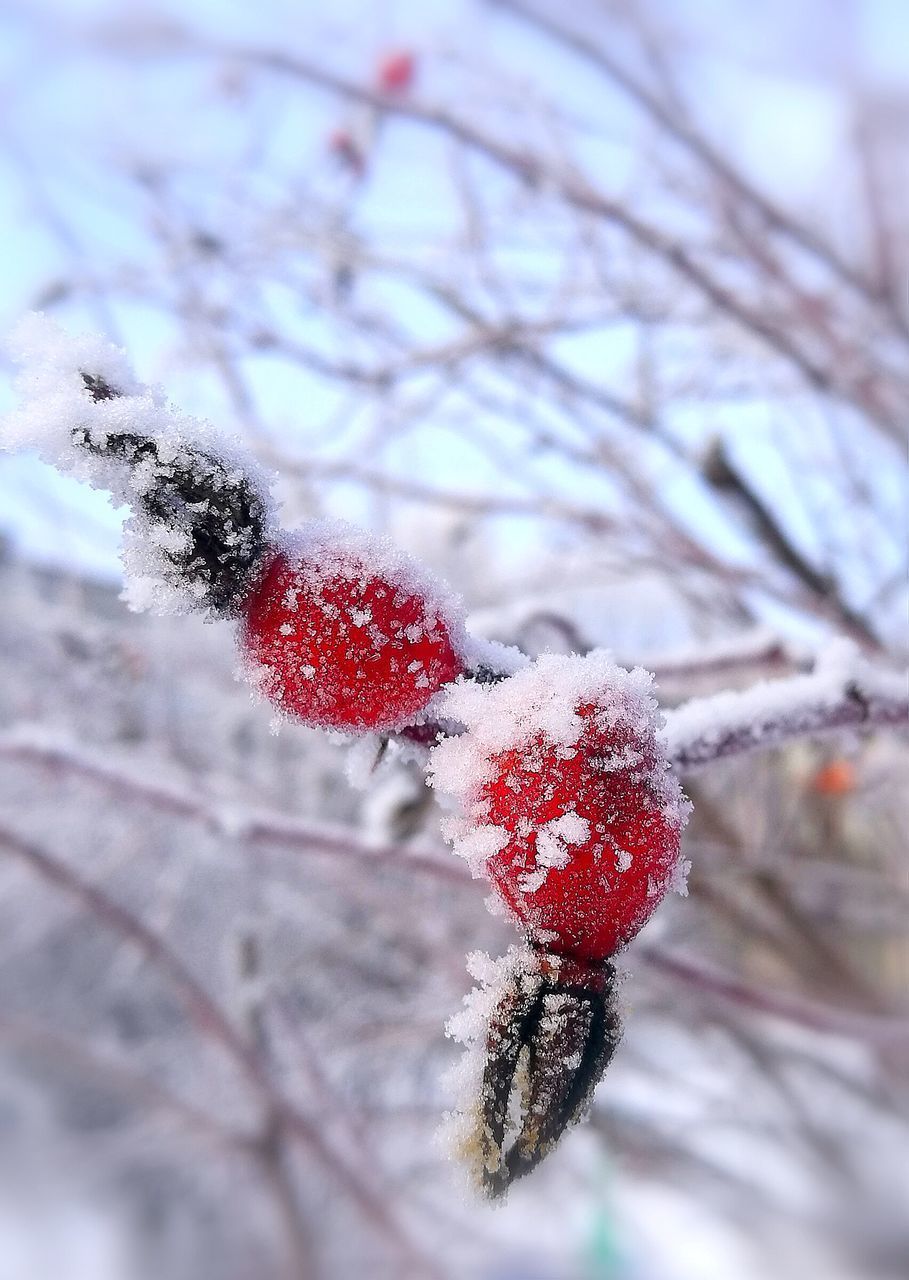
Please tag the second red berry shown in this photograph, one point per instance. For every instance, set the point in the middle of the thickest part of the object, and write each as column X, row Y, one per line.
column 568, row 804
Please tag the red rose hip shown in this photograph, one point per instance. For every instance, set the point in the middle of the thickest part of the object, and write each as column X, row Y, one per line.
column 396, row 71
column 589, row 851
column 343, row 631
column 569, row 806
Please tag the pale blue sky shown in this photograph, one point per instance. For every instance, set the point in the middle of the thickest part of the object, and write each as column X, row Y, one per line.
column 69, row 121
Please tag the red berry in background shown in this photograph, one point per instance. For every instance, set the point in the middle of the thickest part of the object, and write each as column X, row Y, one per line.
column 344, row 632
column 836, row 778
column 568, row 804
column 396, row 71
column 344, row 146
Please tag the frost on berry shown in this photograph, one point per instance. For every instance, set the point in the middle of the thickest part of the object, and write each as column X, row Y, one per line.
column 566, row 799
column 200, row 505
column 539, row 1033
column 347, row 632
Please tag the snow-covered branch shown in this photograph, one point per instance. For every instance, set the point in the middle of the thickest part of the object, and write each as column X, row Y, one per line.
column 842, row 692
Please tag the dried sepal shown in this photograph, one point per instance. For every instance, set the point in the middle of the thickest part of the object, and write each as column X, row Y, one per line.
column 550, row 1034
column 209, row 502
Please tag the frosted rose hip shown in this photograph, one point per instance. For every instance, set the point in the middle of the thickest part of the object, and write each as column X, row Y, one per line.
column 568, row 804
column 570, row 808
column 344, row 638
column 589, row 852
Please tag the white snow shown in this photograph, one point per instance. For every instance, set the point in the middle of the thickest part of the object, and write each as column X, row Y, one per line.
column 540, row 700
column 553, row 847
column 770, row 710
column 468, row 1027
column 623, row 860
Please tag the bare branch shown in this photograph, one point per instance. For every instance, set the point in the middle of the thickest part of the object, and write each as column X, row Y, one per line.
column 578, row 193
column 679, row 127
column 249, row 826
column 712, row 983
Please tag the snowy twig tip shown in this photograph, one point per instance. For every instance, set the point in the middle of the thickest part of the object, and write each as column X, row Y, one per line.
column 201, row 507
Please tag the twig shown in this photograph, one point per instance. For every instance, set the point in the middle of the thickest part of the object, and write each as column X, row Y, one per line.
column 678, row 127
column 818, row 1017
column 580, row 195
column 721, row 472
column 250, row 827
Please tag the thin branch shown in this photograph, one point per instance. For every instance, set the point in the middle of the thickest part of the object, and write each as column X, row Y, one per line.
column 756, row 648
column 679, row 128
column 579, row 194
column 249, row 826
column 721, row 472
column 714, row 983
